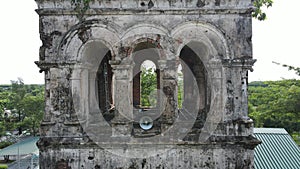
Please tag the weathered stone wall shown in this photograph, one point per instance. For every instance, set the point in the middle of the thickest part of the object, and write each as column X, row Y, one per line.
column 179, row 157
column 214, row 130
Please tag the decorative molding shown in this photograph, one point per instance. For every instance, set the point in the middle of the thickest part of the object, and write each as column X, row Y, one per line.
column 157, row 11
column 44, row 66
column 244, row 63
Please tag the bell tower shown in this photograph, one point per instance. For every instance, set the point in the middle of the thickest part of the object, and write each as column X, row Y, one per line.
column 102, row 111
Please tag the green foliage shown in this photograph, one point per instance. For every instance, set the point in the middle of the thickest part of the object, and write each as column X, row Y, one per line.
column 290, row 68
column 18, row 93
column 276, row 104
column 258, row 12
column 148, row 87
column 7, row 125
column 83, row 3
column 3, row 166
column 296, row 137
column 81, row 6
column 296, row 69
column 4, row 100
column 26, row 104
column 180, row 89
column 4, row 144
column 33, row 114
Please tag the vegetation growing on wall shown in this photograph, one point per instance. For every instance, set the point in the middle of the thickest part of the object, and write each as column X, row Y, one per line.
column 259, row 13
column 81, row 6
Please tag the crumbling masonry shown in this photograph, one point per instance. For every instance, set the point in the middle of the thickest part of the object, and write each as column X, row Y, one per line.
column 92, row 55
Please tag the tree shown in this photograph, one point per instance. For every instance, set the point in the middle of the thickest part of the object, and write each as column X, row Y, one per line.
column 33, row 107
column 148, row 87
column 4, row 102
column 290, row 68
column 258, row 12
column 293, row 68
column 180, row 94
column 26, row 104
column 19, row 91
column 276, row 104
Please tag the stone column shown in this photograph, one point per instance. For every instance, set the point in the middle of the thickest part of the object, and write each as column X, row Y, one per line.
column 122, row 123
column 168, row 96
column 238, row 70
column 216, row 96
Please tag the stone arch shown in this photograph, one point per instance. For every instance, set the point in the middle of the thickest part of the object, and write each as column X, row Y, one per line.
column 145, row 32
column 210, row 46
column 86, row 90
column 153, row 40
column 76, row 38
column 142, row 49
column 204, row 88
column 142, row 52
column 147, row 46
column 205, row 33
column 195, row 75
column 142, row 28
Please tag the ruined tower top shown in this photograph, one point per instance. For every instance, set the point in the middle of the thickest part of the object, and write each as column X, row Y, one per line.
column 99, row 114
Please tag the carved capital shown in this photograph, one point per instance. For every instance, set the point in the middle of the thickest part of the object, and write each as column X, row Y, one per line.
column 44, row 66
column 245, row 63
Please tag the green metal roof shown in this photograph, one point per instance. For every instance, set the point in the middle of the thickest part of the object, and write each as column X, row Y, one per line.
column 23, row 147
column 277, row 150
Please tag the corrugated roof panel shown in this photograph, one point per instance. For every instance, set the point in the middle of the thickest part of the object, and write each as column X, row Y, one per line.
column 270, row 130
column 23, row 147
column 277, row 150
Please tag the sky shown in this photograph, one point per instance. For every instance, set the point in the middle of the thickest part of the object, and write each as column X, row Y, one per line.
column 276, row 39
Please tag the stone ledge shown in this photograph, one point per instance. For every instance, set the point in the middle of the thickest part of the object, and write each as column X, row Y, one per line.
column 144, row 3
column 47, row 65
column 248, row 142
column 133, row 11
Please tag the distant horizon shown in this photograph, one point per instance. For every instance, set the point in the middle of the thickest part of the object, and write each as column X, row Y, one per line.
column 274, row 40
column 248, row 81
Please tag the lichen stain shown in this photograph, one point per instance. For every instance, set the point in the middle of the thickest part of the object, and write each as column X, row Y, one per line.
column 62, row 164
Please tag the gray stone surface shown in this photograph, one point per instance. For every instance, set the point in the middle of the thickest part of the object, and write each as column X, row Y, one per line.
column 211, row 39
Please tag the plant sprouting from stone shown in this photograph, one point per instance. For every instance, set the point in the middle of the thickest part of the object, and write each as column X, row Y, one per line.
column 81, row 6
column 258, row 12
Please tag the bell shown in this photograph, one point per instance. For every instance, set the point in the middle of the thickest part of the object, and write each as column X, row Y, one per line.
column 146, row 123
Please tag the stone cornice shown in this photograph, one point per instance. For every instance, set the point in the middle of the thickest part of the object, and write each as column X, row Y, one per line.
column 47, row 65
column 134, row 11
column 248, row 142
column 144, row 3
column 244, row 63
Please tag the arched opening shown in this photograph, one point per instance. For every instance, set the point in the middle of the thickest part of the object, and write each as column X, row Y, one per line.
column 195, row 83
column 104, row 81
column 148, row 82
column 180, row 82
column 145, row 71
column 92, row 82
